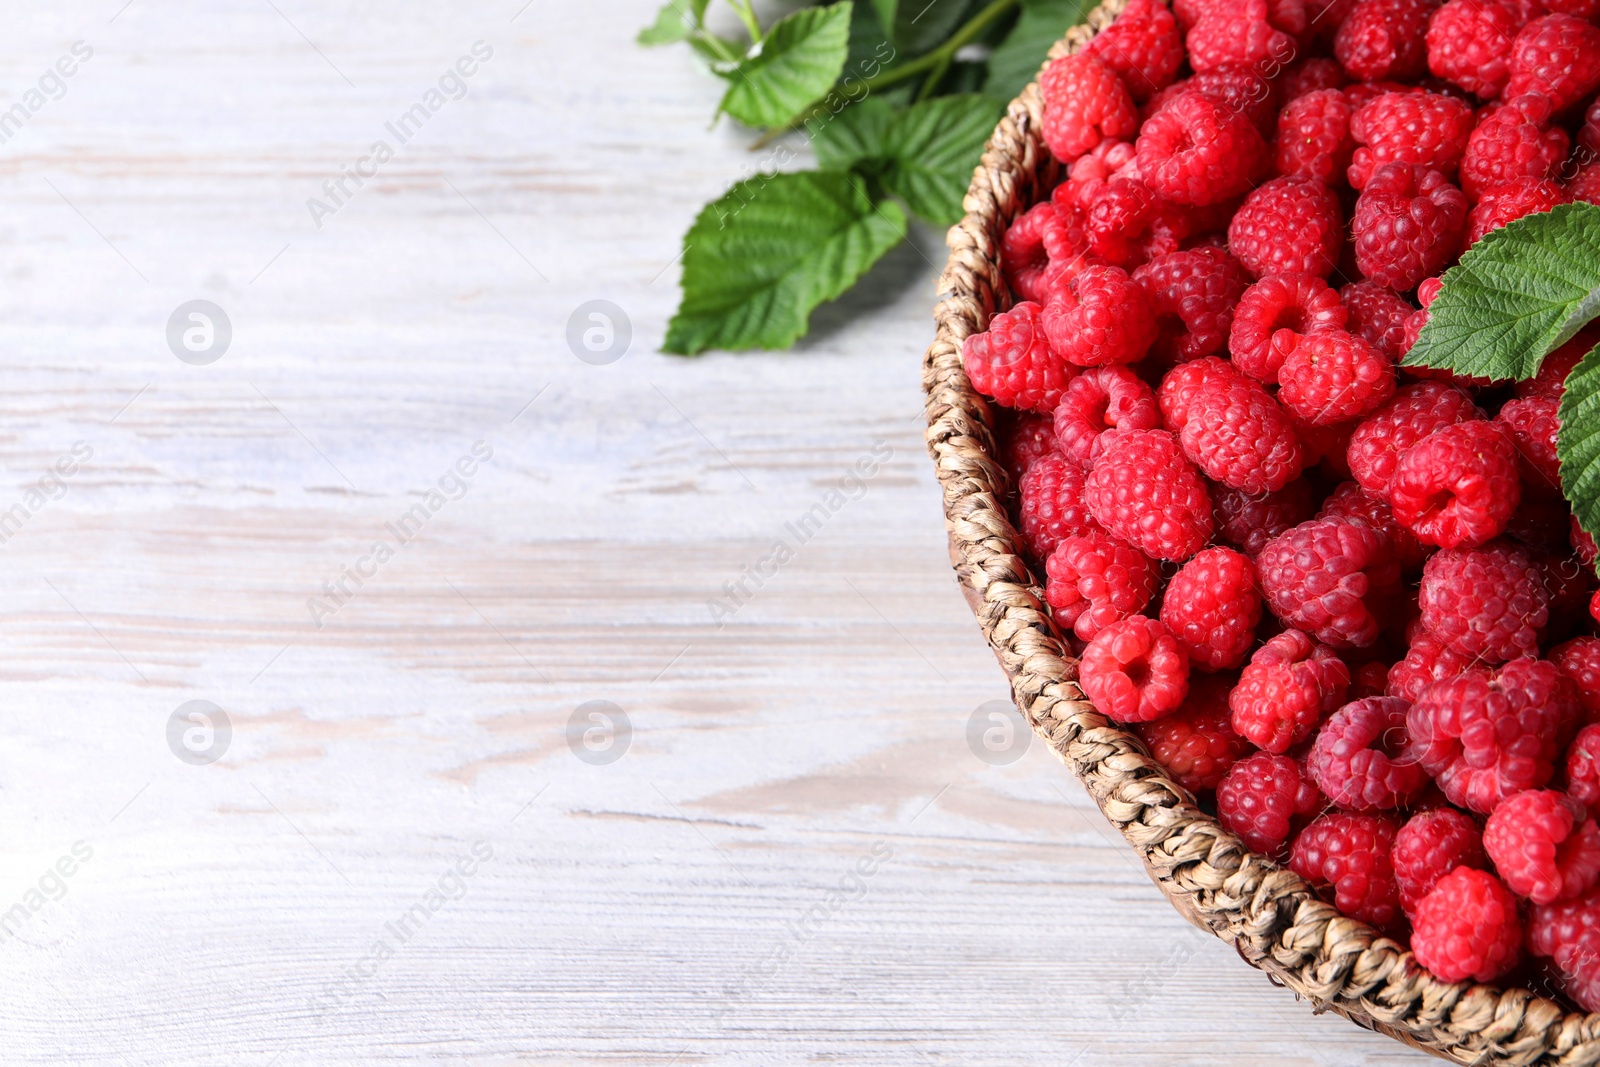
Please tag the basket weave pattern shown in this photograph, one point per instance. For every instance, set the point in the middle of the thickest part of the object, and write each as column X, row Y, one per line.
column 1272, row 917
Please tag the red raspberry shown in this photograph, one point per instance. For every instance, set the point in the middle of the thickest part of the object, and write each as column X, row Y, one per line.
column 1327, row 577
column 1517, row 141
column 1143, row 47
column 1249, row 522
column 1084, row 103
column 1289, row 684
column 1583, row 768
column 1022, row 251
column 1260, row 798
column 1196, row 745
column 1309, row 76
column 1189, row 12
column 1238, row 435
column 1125, row 220
column 1566, row 581
column 1589, row 132
column 1024, row 436
column 1194, row 151
column 1314, row 136
column 1012, row 362
column 1101, row 399
column 1351, row 853
column 1101, row 317
column 1192, row 295
column 1134, row 671
column 1414, row 413
column 1569, row 934
column 1582, row 543
column 1428, row 660
column 1551, row 380
column 1579, row 660
column 1484, row 736
column 1467, row 927
column 1377, row 316
column 1052, row 506
column 1532, row 426
column 1429, row 846
column 1352, row 503
column 1544, row 845
column 1457, row 487
column 1272, row 316
column 1143, row 490
column 1582, row 9
column 1384, row 39
column 1095, row 580
column 1488, row 603
column 1428, row 129
column 1332, row 377
column 1559, row 56
column 1288, row 226
column 1327, row 444
column 1089, row 175
column 1184, row 384
column 1251, row 32
column 1585, row 185
column 1408, row 225
column 1235, row 87
column 1359, row 758
column 1469, row 43
column 1509, row 202
column 1211, row 606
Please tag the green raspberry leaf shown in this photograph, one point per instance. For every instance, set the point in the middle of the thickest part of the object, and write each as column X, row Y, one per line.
column 856, row 137
column 671, row 26
column 918, row 25
column 1517, row 295
column 794, row 65
column 933, row 148
column 1578, row 444
column 1017, row 60
column 760, row 258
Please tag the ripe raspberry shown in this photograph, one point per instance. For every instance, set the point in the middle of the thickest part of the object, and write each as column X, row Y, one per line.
column 1022, row 251
column 1101, row 399
column 1012, row 362
column 1272, row 316
column 1469, row 44
column 1359, row 758
column 1429, row 846
column 1488, row 603
column 1544, row 845
column 1327, row 578
column 1095, row 580
column 1311, row 75
column 1235, row 87
column 1084, row 103
column 1517, row 141
column 1408, row 225
column 1486, row 735
column 1143, row 47
column 1351, row 853
column 1314, row 136
column 1579, row 660
column 1249, row 522
column 1582, row 544
column 1328, row 445
column 1457, row 487
column 1589, row 132
column 1212, row 606
column 1143, row 490
column 1125, row 220
column 1024, row 436
column 1184, row 384
column 1384, row 40
column 1289, row 684
column 1467, row 927
column 1196, row 745
column 1288, row 226
column 1192, row 295
column 1509, row 202
column 1551, row 380
column 1332, row 377
column 1532, row 426
column 1251, row 32
column 1238, row 435
column 1134, row 671
column 1583, row 768
column 1569, row 934
column 1415, row 412
column 1351, row 503
column 1428, row 129
column 1260, row 798
column 1089, row 175
column 1377, row 316
column 1101, row 317
column 1428, row 660
column 1559, row 56
column 1194, row 151
column 1052, row 506
column 1585, row 185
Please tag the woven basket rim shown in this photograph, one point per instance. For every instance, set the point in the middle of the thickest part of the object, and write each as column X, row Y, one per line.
column 1271, row 916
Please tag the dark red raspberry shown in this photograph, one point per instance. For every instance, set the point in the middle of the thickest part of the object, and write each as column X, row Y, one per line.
column 1427, row 661
column 1585, row 185
column 1428, row 129
column 1569, row 934
column 1567, row 582
column 1540, row 524
column 1352, row 503
column 1517, row 141
column 1408, row 225
column 1189, row 12
column 1193, row 295
column 1013, row 363
column 1143, row 490
column 1252, row 32
column 1350, row 854
column 1124, row 219
column 1196, row 744
column 1327, row 444
column 1469, row 44
column 1332, row 376
column 1532, row 426
column 1583, row 768
column 1134, row 671
column 1288, row 226
column 1022, row 252
column 1310, row 76
column 1589, row 132
column 1143, row 46
column 1384, row 436
column 1024, row 436
column 1095, row 580
column 1272, row 316
column 1582, row 543
column 1579, row 660
column 1314, row 136
column 1238, row 435
column 1289, row 684
column 1467, row 927
column 1509, row 202
column 1101, row 399
column 1488, row 603
column 1234, row 86
column 1457, row 487
column 1551, row 380
column 1084, row 103
column 1184, row 384
column 1327, row 578
column 1052, row 506
column 1194, row 151
column 1429, row 846
column 1377, row 316
column 1101, row 317
column 1385, row 40
column 1359, row 758
column 1212, row 606
column 1261, row 797
column 1559, row 56
column 1544, row 845
column 1486, row 735
column 1249, row 522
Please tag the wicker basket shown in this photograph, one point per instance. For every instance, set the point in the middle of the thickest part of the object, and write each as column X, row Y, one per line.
column 1273, row 918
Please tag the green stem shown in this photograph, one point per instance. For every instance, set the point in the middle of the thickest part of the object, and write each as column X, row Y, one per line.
column 748, row 17
column 939, row 59
column 717, row 45
column 931, row 82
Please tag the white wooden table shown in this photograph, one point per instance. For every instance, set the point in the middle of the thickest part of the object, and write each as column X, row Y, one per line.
column 679, row 904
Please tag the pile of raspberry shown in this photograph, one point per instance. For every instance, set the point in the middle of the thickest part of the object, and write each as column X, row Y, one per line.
column 1341, row 600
